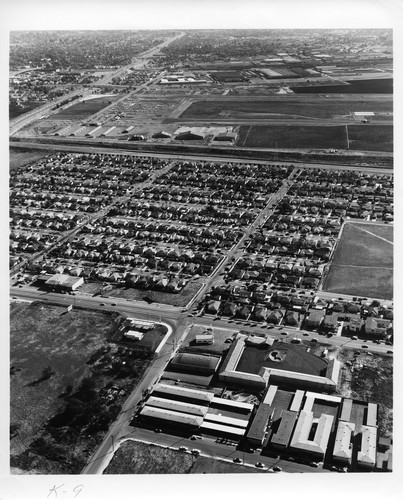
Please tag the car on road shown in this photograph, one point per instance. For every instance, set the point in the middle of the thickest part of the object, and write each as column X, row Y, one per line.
column 114, row 304
column 102, row 304
column 364, row 346
column 157, row 430
column 354, row 337
column 259, row 465
column 314, row 340
column 183, row 448
column 276, row 468
column 389, row 351
column 284, row 333
column 195, row 452
column 237, row 460
column 15, row 298
column 193, row 438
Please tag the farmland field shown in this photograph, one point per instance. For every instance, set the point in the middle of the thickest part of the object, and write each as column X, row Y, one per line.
column 363, row 262
column 292, row 137
column 280, row 107
column 361, row 137
column 83, row 109
column 373, row 86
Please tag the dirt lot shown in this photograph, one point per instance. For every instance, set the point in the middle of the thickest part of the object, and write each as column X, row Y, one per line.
column 67, row 384
column 140, row 458
column 363, row 262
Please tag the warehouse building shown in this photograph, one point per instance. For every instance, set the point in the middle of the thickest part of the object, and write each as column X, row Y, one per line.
column 169, row 404
column 195, row 363
column 221, row 430
column 366, row 455
column 183, row 394
column 232, row 405
column 157, row 416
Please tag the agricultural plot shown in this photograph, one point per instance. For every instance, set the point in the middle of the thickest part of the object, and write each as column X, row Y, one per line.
column 83, row 109
column 371, row 137
column 292, row 137
column 363, row 262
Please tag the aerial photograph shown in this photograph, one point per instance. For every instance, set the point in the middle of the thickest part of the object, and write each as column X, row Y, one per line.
column 201, row 251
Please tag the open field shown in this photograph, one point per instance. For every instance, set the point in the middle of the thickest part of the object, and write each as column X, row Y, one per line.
column 134, row 457
column 21, row 158
column 361, row 137
column 284, row 107
column 294, row 358
column 67, row 384
column 363, row 262
column 373, row 86
column 83, row 109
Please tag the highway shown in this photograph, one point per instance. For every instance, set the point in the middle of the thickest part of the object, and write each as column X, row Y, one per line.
column 89, row 149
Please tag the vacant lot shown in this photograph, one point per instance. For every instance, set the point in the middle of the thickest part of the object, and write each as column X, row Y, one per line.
column 63, row 370
column 363, row 262
column 134, row 457
column 292, row 357
column 283, row 107
column 83, row 109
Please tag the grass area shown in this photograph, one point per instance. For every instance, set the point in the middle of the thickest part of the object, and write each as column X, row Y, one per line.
column 363, row 262
column 180, row 299
column 62, row 371
column 134, row 457
column 19, row 158
column 289, row 106
column 293, row 358
column 270, row 136
column 83, row 109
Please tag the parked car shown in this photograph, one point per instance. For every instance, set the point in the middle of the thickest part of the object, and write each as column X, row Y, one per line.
column 237, row 460
column 276, row 468
column 259, row 465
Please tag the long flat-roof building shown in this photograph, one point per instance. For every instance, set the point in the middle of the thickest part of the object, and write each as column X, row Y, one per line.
column 222, row 430
column 183, row 394
column 256, row 433
column 179, row 406
column 171, row 417
column 366, row 456
column 232, row 405
column 281, row 438
column 224, row 420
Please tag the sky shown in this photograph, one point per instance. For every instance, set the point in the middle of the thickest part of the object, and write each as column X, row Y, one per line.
column 158, row 14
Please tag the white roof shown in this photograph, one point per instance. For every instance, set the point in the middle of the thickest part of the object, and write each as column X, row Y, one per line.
column 367, row 455
column 342, row 447
column 318, row 444
column 268, row 399
column 232, row 403
column 297, row 400
column 221, row 419
column 225, row 429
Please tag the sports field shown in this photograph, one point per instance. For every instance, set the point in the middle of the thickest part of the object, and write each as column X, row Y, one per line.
column 363, row 262
column 293, row 358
